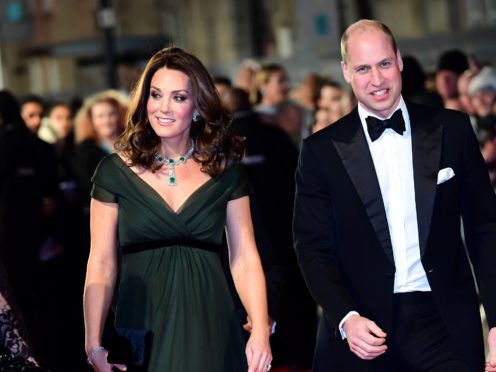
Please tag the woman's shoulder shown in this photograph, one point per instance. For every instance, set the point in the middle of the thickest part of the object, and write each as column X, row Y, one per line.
column 235, row 179
column 110, row 160
column 108, row 167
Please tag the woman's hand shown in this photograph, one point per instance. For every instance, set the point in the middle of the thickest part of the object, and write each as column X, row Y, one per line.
column 258, row 352
column 100, row 364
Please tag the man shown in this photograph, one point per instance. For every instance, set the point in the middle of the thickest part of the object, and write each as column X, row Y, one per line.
column 32, row 110
column 377, row 226
column 451, row 65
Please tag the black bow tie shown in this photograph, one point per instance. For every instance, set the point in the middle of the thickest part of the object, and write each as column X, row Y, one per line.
column 377, row 126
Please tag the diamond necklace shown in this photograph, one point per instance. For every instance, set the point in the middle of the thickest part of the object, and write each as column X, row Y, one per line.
column 171, row 163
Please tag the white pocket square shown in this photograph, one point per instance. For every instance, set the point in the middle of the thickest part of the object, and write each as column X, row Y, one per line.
column 445, row 175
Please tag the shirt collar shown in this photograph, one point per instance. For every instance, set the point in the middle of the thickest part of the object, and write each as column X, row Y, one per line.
column 363, row 113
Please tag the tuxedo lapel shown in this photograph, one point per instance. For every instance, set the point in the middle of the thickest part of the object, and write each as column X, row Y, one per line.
column 426, row 155
column 352, row 147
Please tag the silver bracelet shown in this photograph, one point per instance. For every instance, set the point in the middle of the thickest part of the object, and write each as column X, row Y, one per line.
column 93, row 353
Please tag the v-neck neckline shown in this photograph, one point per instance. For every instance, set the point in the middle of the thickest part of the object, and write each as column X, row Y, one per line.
column 164, row 201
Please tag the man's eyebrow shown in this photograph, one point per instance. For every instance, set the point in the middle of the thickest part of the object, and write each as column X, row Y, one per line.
column 361, row 66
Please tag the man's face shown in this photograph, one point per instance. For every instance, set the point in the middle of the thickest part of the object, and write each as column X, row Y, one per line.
column 32, row 113
column 447, row 84
column 374, row 71
column 277, row 87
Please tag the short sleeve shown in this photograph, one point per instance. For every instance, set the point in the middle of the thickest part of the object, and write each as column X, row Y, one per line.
column 104, row 180
column 103, row 195
column 241, row 183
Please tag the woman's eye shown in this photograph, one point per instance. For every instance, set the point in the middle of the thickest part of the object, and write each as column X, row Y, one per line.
column 180, row 97
column 154, row 94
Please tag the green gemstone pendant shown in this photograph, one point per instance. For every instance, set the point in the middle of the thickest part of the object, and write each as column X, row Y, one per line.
column 171, row 163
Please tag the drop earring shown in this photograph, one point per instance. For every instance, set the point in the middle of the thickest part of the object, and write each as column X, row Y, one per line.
column 196, row 116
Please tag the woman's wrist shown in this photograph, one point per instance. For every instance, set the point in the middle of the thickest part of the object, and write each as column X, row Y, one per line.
column 262, row 329
column 91, row 343
column 92, row 352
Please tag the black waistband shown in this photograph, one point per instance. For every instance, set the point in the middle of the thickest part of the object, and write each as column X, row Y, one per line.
column 413, row 298
column 143, row 246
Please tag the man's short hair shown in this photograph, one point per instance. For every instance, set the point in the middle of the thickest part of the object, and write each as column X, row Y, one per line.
column 362, row 25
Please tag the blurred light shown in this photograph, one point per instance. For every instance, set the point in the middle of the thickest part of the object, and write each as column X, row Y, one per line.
column 14, row 11
column 284, row 42
column 321, row 24
column 106, row 18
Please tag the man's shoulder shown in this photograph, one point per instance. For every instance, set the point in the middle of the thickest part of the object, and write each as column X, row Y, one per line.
column 432, row 117
column 433, row 112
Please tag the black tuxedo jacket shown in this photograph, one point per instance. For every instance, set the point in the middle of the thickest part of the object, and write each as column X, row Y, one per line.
column 342, row 237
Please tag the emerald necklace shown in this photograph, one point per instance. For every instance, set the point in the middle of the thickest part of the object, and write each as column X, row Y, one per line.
column 171, row 163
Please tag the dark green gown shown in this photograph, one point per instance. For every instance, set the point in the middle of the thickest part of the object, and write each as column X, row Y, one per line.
column 171, row 281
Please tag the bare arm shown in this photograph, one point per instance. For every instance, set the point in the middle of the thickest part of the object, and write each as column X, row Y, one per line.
column 249, row 280
column 100, row 276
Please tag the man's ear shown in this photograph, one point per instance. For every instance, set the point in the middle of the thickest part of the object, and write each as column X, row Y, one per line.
column 399, row 60
column 346, row 72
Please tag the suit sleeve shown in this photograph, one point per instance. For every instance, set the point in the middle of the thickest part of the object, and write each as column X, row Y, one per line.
column 479, row 220
column 315, row 240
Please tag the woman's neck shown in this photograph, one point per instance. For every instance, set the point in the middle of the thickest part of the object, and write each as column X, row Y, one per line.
column 173, row 148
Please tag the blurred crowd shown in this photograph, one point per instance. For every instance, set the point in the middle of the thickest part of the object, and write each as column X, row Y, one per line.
column 50, row 149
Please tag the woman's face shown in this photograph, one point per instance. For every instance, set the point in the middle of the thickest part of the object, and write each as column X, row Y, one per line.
column 330, row 98
column 483, row 101
column 170, row 105
column 277, row 87
column 61, row 119
column 105, row 118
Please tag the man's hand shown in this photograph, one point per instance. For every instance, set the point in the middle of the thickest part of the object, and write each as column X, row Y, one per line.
column 365, row 338
column 491, row 343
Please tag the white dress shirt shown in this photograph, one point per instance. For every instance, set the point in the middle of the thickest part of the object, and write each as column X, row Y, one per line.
column 392, row 157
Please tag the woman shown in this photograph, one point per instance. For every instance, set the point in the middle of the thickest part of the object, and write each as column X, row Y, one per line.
column 169, row 192
column 98, row 124
column 329, row 105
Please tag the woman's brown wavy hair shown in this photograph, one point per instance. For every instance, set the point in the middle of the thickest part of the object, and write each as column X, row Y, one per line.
column 215, row 143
